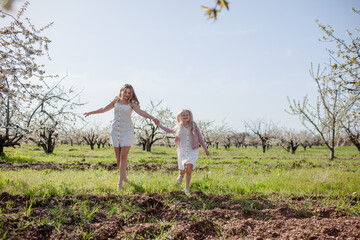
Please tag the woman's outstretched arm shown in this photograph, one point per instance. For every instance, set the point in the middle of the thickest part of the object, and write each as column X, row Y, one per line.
column 102, row 110
column 143, row 113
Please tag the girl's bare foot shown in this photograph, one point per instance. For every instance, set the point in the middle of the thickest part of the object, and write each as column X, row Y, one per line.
column 179, row 179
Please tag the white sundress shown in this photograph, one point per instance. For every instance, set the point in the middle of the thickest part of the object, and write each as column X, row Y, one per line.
column 122, row 129
column 186, row 154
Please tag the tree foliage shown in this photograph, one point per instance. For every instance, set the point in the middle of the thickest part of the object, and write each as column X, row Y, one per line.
column 53, row 115
column 346, row 68
column 337, row 107
column 212, row 13
column 262, row 129
column 21, row 77
column 21, row 48
column 30, row 105
column 345, row 56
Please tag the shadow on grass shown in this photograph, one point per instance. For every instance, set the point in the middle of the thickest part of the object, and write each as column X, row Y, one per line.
column 137, row 188
column 15, row 159
column 159, row 153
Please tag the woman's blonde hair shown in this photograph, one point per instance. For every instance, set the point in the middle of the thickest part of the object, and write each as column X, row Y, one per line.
column 179, row 120
column 133, row 98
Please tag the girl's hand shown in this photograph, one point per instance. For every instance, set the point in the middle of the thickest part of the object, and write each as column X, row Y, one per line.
column 87, row 114
column 207, row 153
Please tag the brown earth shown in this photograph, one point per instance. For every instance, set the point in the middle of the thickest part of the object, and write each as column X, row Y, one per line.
column 136, row 166
column 81, row 166
column 175, row 215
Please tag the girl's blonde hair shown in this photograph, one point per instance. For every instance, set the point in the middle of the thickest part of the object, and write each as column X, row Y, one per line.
column 179, row 120
column 133, row 98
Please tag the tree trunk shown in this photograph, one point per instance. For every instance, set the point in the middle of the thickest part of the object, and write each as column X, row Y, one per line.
column 263, row 148
column 51, row 142
column 1, row 149
column 92, row 146
column 293, row 149
column 355, row 141
column 332, row 154
column 51, row 147
column 46, row 141
column 293, row 146
column 148, row 147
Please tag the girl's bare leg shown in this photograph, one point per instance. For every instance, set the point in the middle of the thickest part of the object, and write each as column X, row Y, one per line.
column 189, row 168
column 182, row 173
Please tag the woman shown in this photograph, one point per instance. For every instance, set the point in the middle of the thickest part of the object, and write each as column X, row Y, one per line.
column 122, row 130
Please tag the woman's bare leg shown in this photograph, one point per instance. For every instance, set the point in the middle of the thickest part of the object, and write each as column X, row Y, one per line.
column 123, row 163
column 117, row 155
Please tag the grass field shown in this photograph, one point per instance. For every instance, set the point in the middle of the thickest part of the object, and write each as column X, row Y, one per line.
column 242, row 175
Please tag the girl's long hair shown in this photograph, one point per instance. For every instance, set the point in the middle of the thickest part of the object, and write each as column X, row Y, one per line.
column 133, row 98
column 179, row 123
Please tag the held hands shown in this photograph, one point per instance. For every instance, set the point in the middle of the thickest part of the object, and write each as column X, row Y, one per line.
column 156, row 121
column 87, row 114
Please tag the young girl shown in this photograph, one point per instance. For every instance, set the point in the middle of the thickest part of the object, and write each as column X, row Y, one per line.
column 122, row 130
column 187, row 137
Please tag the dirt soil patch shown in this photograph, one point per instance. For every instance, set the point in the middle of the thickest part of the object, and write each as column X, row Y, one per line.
column 82, row 166
column 171, row 216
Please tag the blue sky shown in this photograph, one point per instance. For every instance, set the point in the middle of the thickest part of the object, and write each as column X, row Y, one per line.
column 240, row 68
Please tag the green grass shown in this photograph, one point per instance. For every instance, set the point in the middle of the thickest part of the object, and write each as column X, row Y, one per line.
column 223, row 179
column 252, row 179
column 234, row 171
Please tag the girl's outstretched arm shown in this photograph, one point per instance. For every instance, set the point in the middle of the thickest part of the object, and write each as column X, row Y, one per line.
column 168, row 130
column 202, row 142
column 102, row 110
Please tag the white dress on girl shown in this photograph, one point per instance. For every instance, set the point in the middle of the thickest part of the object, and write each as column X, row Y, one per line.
column 186, row 153
column 122, row 129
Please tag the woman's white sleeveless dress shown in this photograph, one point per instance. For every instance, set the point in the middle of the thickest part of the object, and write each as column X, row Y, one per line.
column 122, row 129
